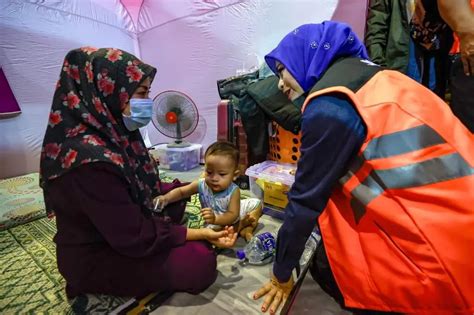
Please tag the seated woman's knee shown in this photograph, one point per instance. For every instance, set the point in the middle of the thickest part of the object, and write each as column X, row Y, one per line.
column 203, row 266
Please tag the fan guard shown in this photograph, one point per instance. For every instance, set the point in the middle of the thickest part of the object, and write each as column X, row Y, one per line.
column 175, row 115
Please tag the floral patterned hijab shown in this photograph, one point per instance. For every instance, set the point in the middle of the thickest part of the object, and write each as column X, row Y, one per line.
column 85, row 123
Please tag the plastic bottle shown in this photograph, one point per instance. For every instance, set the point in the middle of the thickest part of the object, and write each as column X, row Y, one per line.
column 310, row 246
column 260, row 250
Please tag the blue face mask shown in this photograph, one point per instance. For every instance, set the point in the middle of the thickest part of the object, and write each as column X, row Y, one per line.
column 140, row 113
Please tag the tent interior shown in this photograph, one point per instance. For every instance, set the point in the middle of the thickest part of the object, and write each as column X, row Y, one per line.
column 193, row 44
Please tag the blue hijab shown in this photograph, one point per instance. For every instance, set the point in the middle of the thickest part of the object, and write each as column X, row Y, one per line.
column 310, row 49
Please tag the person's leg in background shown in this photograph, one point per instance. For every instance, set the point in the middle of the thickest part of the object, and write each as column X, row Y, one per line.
column 415, row 62
column 430, row 68
column 429, row 78
column 441, row 64
column 462, row 98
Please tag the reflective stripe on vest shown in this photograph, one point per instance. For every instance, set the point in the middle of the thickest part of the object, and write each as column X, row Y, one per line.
column 431, row 171
column 404, row 141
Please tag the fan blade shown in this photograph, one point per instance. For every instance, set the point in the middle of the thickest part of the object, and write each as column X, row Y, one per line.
column 184, row 108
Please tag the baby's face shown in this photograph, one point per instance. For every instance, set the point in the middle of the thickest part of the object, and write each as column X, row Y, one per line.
column 220, row 171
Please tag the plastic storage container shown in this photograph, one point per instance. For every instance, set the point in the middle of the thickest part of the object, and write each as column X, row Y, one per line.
column 178, row 159
column 260, row 250
column 271, row 180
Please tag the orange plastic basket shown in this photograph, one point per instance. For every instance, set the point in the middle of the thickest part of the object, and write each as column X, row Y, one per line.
column 284, row 145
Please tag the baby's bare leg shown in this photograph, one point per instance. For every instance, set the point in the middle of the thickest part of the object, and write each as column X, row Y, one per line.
column 248, row 224
column 247, row 233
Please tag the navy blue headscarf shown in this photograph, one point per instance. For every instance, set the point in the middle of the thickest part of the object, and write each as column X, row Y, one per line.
column 310, row 49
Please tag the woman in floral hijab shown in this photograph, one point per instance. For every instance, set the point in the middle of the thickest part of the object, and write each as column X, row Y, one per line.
column 85, row 123
column 99, row 181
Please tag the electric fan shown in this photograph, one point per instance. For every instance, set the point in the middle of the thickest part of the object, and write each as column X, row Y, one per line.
column 176, row 116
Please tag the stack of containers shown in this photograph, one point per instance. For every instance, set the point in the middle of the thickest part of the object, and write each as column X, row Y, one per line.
column 177, row 159
column 270, row 181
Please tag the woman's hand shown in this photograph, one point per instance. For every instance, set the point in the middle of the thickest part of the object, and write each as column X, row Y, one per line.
column 160, row 202
column 224, row 239
column 208, row 215
column 276, row 294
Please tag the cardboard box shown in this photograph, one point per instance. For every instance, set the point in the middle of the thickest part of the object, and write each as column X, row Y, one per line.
column 275, row 194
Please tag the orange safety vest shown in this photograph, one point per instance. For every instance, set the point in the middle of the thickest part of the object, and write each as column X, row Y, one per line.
column 399, row 228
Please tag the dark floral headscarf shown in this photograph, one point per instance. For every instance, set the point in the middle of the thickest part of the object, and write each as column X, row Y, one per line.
column 85, row 123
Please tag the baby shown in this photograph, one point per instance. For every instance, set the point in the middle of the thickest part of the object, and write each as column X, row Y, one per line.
column 218, row 194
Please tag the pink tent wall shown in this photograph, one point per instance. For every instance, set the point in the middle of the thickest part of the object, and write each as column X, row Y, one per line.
column 193, row 43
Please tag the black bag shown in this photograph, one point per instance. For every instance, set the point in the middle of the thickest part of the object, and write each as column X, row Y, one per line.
column 243, row 106
column 276, row 105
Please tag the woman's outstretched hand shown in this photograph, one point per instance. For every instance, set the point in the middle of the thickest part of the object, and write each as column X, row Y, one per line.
column 224, row 239
column 275, row 294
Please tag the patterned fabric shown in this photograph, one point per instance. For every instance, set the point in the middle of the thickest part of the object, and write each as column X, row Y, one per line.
column 194, row 219
column 85, row 122
column 307, row 51
column 30, row 281
column 21, row 200
column 426, row 25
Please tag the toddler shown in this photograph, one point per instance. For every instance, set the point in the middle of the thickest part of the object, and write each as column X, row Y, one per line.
column 218, row 194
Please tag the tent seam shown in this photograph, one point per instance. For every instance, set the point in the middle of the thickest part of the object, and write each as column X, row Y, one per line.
column 187, row 16
column 82, row 16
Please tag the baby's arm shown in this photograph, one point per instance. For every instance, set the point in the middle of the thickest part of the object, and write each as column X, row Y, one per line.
column 177, row 194
column 232, row 213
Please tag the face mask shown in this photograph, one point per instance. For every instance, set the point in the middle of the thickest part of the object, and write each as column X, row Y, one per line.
column 140, row 113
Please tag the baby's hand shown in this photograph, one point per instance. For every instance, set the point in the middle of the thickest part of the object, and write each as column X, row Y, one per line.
column 208, row 215
column 160, row 203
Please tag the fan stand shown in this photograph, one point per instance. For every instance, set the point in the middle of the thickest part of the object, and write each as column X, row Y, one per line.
column 178, row 143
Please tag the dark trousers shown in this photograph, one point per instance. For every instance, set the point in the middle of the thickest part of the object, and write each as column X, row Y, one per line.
column 322, row 274
column 462, row 94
